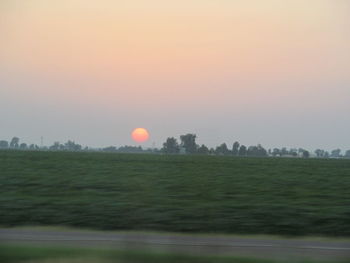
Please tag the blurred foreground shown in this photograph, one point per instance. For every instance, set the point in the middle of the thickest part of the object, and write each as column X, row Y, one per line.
column 30, row 254
column 67, row 245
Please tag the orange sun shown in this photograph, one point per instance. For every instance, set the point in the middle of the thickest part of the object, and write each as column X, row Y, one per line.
column 140, row 135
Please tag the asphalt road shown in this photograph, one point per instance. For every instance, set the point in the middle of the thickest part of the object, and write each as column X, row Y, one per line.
column 195, row 244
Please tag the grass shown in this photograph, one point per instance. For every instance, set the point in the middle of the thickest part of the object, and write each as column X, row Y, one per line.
column 176, row 193
column 31, row 254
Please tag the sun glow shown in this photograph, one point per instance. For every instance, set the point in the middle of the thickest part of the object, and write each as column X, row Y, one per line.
column 140, row 135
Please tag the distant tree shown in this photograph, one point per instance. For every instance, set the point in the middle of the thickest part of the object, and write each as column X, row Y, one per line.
column 252, row 151
column 257, row 151
column 336, row 153
column 203, row 149
column 33, row 147
column 242, row 151
column 347, row 154
column 110, row 149
column 72, row 146
column 55, row 146
column 222, row 150
column 261, row 151
column 235, row 148
column 14, row 144
column 326, row 154
column 276, row 152
column 293, row 152
column 23, row 146
column 284, row 151
column 306, row 154
column 171, row 146
column 4, row 145
column 319, row 153
column 188, row 141
column 211, row 151
column 78, row 147
column 130, row 149
column 301, row 150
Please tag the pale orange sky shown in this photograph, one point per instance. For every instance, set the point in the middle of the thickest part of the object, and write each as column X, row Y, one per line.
column 271, row 72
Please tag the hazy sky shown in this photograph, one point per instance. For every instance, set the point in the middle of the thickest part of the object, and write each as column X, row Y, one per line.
column 271, row 72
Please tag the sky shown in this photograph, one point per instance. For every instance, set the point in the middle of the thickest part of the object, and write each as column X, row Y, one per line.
column 270, row 72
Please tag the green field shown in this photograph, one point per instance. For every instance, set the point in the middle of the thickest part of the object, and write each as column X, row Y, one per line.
column 31, row 254
column 176, row 193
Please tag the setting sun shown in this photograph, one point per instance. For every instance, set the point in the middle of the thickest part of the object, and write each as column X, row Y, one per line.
column 140, row 135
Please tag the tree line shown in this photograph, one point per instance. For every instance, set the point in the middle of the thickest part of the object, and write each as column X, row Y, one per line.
column 186, row 145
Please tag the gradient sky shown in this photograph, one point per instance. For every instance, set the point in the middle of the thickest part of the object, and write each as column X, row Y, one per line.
column 271, row 72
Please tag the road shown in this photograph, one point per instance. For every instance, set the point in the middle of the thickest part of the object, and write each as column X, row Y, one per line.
column 275, row 248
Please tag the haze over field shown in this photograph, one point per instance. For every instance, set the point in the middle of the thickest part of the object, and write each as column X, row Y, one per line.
column 270, row 72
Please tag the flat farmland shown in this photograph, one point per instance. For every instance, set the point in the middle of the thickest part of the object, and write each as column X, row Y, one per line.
column 208, row 194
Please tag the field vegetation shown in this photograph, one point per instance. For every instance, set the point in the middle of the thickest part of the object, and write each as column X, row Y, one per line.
column 178, row 193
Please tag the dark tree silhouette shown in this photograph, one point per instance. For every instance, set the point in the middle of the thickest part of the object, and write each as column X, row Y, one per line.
column 257, row 151
column 319, row 153
column 4, row 145
column 284, row 151
column 32, row 147
column 276, row 152
column 72, row 146
column 203, row 149
column 347, row 154
column 110, row 149
column 23, row 146
column 222, row 150
column 261, row 151
column 55, row 146
column 235, row 148
column 130, row 149
column 306, row 154
column 293, row 152
column 171, row 146
column 188, row 141
column 336, row 153
column 242, row 151
column 211, row 151
column 14, row 144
